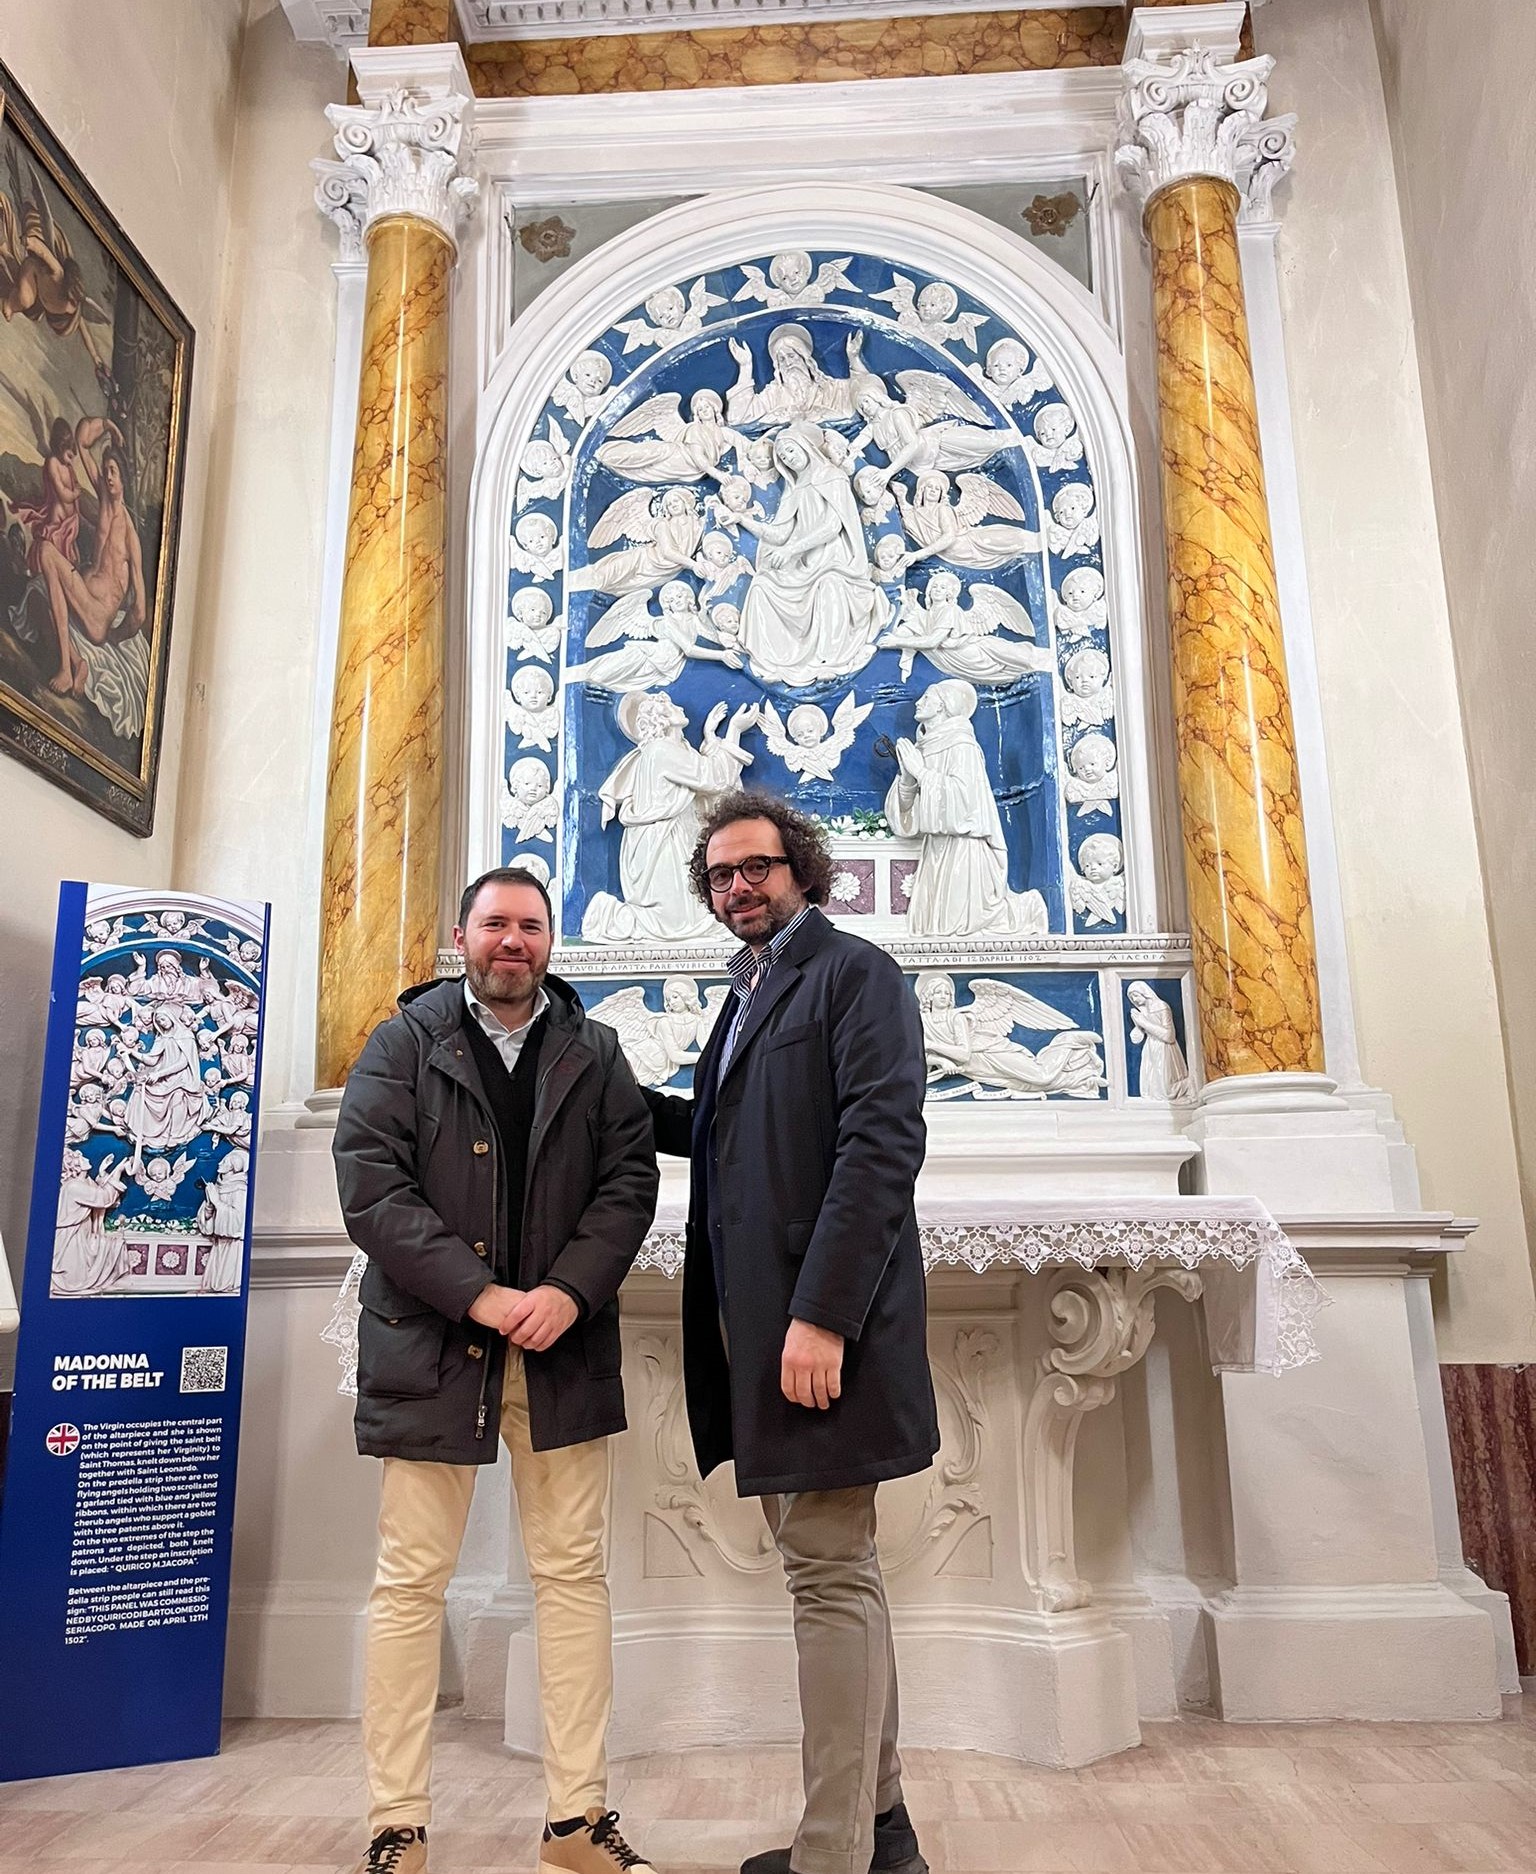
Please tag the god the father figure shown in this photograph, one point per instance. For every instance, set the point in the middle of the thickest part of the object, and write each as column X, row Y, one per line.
column 804, row 1312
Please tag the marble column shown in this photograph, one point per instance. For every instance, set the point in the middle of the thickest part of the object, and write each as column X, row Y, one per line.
column 1194, row 138
column 400, row 183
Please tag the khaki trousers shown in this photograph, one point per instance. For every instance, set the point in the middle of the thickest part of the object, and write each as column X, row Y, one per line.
column 562, row 1499
column 848, row 1703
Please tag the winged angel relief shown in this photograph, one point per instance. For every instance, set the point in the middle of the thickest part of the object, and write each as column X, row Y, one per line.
column 976, row 1043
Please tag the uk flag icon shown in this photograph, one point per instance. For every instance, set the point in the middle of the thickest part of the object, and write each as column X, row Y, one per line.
column 63, row 1440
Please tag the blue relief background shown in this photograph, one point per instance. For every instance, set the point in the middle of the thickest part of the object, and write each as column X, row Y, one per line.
column 1027, row 739
column 1156, row 1065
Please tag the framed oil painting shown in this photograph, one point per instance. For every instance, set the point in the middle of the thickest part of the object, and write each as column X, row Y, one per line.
column 95, row 373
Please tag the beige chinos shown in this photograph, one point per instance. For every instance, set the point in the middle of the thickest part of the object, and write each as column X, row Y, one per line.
column 562, row 1499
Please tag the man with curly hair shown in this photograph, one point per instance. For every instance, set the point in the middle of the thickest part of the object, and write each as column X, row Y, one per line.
column 804, row 1317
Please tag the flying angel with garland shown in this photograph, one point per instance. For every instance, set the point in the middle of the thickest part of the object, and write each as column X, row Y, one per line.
column 545, row 466
column 807, row 744
column 976, row 529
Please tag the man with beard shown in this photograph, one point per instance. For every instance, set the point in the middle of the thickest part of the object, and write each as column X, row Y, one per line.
column 804, row 1317
column 495, row 1164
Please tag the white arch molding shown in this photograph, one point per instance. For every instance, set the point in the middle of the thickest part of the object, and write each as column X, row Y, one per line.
column 1056, row 316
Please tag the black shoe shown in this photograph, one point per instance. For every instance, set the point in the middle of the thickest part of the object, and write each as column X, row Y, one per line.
column 896, row 1849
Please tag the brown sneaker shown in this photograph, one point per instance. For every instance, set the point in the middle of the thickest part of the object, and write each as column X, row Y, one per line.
column 592, row 1846
column 396, row 1851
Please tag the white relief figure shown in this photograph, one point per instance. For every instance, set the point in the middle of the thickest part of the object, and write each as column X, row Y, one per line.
column 933, row 314
column 168, row 984
column 725, row 622
column 719, row 565
column 232, row 1121
column 173, row 925
column 1010, row 375
column 962, row 640
column 1081, row 607
column 732, row 501
column 944, row 796
column 975, row 530
column 656, row 793
column 890, row 559
column 1092, row 785
column 221, row 1219
column 812, row 608
column 532, row 628
column 586, row 390
column 1096, row 890
column 86, row 1114
column 533, row 715
column 245, row 951
column 544, row 466
column 92, row 1052
column 168, row 1104
column 535, row 539
column 807, row 744
column 1164, row 1071
column 655, row 443
column 659, row 644
column 1087, row 699
column 664, row 531
column 105, row 933
column 160, row 1180
column 528, row 804
column 669, row 317
column 1074, row 526
column 534, row 864
column 976, row 1043
column 877, row 502
column 234, row 1008
column 790, row 283
column 797, row 390
column 1054, row 443
column 936, row 426
column 658, row 1044
column 86, row 1260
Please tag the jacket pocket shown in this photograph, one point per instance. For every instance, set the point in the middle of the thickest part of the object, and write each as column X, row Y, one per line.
column 600, row 1342
column 400, row 1355
column 802, row 1031
column 797, row 1237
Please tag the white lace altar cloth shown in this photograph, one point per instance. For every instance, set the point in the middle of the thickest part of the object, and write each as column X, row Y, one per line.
column 1261, row 1299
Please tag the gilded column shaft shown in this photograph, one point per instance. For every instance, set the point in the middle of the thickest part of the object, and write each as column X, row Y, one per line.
column 384, row 789
column 1245, row 856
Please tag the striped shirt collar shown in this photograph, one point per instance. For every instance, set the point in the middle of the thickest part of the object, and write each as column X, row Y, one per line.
column 747, row 968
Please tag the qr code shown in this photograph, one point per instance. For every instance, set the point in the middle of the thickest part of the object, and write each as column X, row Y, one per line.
column 204, row 1369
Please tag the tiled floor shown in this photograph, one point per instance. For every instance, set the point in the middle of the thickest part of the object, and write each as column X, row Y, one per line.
column 1198, row 1798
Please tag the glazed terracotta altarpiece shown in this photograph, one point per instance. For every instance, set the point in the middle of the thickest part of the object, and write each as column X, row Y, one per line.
column 820, row 521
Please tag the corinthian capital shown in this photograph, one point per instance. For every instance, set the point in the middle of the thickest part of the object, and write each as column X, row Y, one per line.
column 400, row 155
column 1194, row 113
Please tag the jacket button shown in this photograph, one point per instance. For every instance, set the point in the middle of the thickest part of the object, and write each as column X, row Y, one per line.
column 477, row 1353
column 482, row 1146
column 480, row 1249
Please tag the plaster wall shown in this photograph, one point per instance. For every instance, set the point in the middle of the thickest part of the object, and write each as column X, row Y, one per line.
column 1458, row 96
column 258, row 712
column 1422, row 971
column 143, row 98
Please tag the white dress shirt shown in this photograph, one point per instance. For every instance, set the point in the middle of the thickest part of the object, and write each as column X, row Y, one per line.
column 508, row 1042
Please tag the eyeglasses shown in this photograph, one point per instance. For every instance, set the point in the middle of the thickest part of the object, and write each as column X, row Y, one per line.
column 753, row 870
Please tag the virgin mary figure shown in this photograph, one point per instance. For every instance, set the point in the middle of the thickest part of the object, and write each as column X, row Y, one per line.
column 812, row 609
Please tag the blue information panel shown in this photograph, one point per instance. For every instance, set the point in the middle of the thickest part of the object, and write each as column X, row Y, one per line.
column 115, row 1527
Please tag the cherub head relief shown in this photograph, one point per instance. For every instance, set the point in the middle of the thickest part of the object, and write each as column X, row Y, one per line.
column 1072, row 504
column 890, row 551
column 1053, row 425
column 807, row 725
column 1086, row 672
column 1007, row 362
column 1099, row 858
column 528, row 780
column 1082, row 589
column 1092, row 758
column 937, row 302
column 791, row 272
column 591, row 373
column 666, row 307
column 532, row 687
column 536, row 532
column 532, row 607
